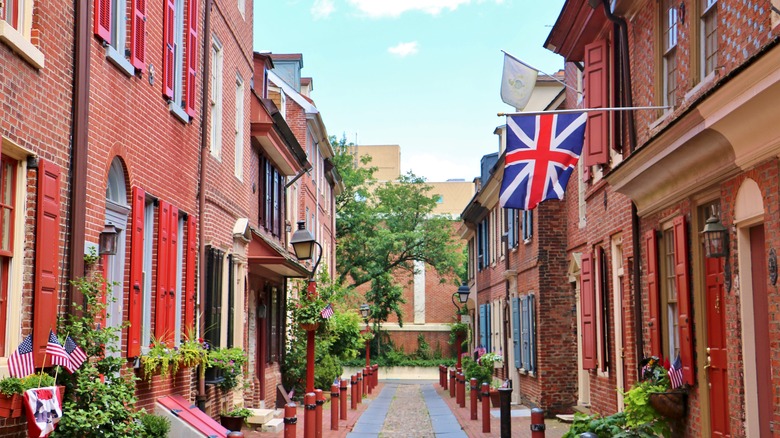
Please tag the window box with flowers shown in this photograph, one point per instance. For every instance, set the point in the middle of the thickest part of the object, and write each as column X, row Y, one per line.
column 229, row 362
column 11, row 389
column 159, row 360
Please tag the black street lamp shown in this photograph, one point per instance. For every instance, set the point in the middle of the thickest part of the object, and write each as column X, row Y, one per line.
column 463, row 296
column 365, row 311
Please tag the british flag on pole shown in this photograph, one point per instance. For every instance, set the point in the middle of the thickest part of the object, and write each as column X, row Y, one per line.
column 541, row 152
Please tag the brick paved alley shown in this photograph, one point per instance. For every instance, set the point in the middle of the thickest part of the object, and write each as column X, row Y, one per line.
column 417, row 409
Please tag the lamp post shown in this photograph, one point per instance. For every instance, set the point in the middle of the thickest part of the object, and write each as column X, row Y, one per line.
column 463, row 296
column 365, row 310
column 303, row 244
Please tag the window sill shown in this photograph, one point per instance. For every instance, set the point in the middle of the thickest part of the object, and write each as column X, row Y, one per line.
column 120, row 61
column 21, row 45
column 709, row 79
column 178, row 112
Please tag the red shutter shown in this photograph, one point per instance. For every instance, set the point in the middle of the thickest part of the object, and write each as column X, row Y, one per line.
column 683, row 298
column 136, row 298
column 102, row 26
column 170, row 305
column 588, row 310
column 169, row 59
column 596, row 96
column 654, row 314
column 138, row 35
column 47, row 244
column 163, row 264
column 192, row 56
column 189, row 283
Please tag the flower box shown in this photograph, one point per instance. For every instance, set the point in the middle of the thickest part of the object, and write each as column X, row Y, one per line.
column 670, row 404
column 10, row 406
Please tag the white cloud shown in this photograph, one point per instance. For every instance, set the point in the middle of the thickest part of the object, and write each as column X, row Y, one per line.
column 322, row 8
column 394, row 8
column 404, row 49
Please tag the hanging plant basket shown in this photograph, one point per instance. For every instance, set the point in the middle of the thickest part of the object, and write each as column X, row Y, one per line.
column 670, row 404
column 495, row 398
column 310, row 326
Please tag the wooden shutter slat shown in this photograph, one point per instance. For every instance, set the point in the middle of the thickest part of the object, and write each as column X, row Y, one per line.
column 482, row 326
column 189, row 283
column 653, row 298
column 596, row 96
column 516, row 330
column 588, row 310
column 532, row 329
column 173, row 265
column 525, row 333
column 192, row 56
column 169, row 48
column 683, row 298
column 47, row 236
column 138, row 35
column 103, row 22
column 135, row 298
column 163, row 265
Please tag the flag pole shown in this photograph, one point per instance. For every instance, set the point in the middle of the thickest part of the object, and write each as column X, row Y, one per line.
column 581, row 110
column 546, row 74
column 58, row 368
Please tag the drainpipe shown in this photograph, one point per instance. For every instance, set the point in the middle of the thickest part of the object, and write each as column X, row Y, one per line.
column 635, row 225
column 78, row 152
column 204, row 155
column 507, row 324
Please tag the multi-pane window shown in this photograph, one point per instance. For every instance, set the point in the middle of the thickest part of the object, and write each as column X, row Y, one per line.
column 483, row 245
column 271, row 197
column 213, row 316
column 603, row 283
column 512, row 226
column 669, row 45
column 7, row 212
column 239, row 155
column 216, row 98
column 669, row 290
column 524, row 332
column 11, row 12
column 709, row 21
column 527, row 224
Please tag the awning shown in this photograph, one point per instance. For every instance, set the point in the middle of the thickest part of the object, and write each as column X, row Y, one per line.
column 268, row 253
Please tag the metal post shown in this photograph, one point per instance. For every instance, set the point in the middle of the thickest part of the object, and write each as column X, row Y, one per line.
column 353, row 402
column 290, row 420
column 506, row 414
column 334, row 407
column 343, row 399
column 312, row 293
column 473, row 397
column 320, row 400
column 444, row 377
column 360, row 387
column 452, row 383
column 309, row 417
column 537, row 423
column 485, row 408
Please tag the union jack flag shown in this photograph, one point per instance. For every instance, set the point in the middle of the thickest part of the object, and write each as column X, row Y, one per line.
column 541, row 152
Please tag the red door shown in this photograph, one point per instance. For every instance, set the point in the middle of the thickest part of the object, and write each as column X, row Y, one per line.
column 758, row 273
column 717, row 348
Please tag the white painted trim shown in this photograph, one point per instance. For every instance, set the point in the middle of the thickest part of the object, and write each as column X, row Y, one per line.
column 617, row 314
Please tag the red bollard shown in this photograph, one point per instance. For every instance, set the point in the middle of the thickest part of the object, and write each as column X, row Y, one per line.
column 473, row 396
column 334, row 407
column 368, row 376
column 462, row 387
column 309, row 417
column 320, row 400
column 360, row 387
column 537, row 423
column 444, row 377
column 343, row 399
column 290, row 420
column 485, row 408
column 353, row 382
column 441, row 380
column 376, row 374
column 452, row 383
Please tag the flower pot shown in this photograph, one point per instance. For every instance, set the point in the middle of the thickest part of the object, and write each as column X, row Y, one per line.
column 310, row 326
column 670, row 404
column 10, row 406
column 232, row 423
column 495, row 398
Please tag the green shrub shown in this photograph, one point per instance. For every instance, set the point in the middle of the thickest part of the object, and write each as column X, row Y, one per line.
column 423, row 348
column 155, row 426
column 11, row 385
column 474, row 370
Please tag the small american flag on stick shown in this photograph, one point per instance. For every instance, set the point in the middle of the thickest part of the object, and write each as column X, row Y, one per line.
column 77, row 355
column 58, row 354
column 676, row 374
column 327, row 312
column 20, row 364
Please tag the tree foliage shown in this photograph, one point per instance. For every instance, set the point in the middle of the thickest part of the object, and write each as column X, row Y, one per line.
column 384, row 228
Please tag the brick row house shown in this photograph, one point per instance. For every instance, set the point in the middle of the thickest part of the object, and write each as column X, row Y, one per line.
column 164, row 134
column 641, row 278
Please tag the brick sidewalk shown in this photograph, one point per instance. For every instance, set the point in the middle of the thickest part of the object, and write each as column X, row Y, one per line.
column 345, row 426
column 521, row 426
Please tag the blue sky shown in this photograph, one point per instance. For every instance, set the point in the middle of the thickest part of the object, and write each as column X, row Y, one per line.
column 423, row 74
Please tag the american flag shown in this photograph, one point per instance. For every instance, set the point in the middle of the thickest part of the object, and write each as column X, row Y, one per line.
column 77, row 355
column 541, row 152
column 58, row 354
column 675, row 373
column 327, row 312
column 20, row 364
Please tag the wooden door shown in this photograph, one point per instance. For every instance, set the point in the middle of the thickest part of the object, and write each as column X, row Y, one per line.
column 717, row 347
column 758, row 273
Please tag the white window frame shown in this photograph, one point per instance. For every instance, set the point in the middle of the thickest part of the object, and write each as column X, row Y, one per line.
column 669, row 30
column 20, row 39
column 115, row 49
column 239, row 131
column 670, row 295
column 176, row 105
column 216, row 98
column 242, row 8
column 179, row 281
column 146, row 304
column 709, row 7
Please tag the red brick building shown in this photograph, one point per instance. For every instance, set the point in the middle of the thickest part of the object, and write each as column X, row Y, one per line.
column 711, row 153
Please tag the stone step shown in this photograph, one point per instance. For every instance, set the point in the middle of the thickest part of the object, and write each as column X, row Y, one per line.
column 274, row 426
column 260, row 416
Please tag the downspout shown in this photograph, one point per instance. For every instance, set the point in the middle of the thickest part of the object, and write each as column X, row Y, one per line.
column 507, row 324
column 78, row 152
column 204, row 155
column 635, row 225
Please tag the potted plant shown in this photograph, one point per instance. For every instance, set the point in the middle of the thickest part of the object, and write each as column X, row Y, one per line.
column 192, row 352
column 493, row 360
column 233, row 420
column 11, row 390
column 308, row 311
column 229, row 362
column 159, row 360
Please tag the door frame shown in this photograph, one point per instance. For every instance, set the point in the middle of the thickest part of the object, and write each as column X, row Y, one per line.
column 616, row 262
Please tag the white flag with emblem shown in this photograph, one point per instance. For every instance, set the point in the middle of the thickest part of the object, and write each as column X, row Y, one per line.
column 517, row 82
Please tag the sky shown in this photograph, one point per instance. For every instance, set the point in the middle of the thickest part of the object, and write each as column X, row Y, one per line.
column 422, row 74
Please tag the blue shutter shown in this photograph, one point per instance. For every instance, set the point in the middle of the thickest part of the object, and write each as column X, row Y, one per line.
column 525, row 334
column 532, row 330
column 516, row 330
column 510, row 226
column 489, row 328
column 482, row 325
